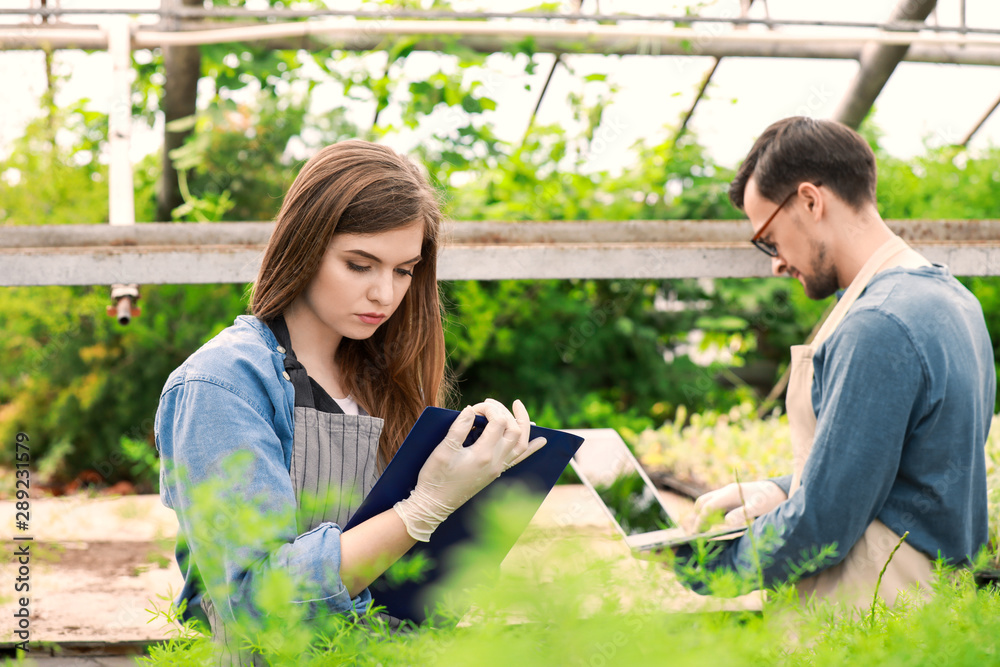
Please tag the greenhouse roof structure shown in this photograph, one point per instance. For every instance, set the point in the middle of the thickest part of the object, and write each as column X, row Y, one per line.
column 717, row 41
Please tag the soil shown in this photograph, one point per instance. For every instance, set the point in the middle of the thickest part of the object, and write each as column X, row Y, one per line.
column 96, row 566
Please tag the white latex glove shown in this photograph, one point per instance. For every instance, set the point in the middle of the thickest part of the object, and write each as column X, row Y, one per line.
column 760, row 497
column 452, row 473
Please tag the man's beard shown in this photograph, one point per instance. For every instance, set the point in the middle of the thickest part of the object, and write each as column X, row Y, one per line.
column 823, row 280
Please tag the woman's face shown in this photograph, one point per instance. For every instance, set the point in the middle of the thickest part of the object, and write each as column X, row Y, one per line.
column 362, row 279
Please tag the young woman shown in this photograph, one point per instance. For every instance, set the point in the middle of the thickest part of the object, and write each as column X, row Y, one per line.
column 308, row 399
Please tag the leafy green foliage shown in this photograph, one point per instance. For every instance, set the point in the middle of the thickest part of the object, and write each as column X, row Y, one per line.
column 235, row 166
column 580, row 353
column 46, row 182
column 77, row 377
column 144, row 464
column 573, row 599
column 707, row 447
column 956, row 630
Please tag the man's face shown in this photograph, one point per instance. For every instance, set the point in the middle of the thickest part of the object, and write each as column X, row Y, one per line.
column 802, row 254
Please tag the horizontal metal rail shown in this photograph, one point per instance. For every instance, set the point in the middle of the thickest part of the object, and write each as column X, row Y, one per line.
column 487, row 37
column 399, row 13
column 179, row 253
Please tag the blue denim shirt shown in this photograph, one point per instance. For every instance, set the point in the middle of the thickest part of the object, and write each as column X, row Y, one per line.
column 903, row 392
column 230, row 396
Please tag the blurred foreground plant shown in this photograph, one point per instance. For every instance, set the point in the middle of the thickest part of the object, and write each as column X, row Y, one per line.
column 709, row 446
column 573, row 596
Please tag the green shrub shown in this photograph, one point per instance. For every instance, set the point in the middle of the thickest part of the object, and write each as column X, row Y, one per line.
column 572, row 600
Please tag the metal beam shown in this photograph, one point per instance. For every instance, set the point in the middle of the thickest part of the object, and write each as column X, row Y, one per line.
column 707, row 79
column 688, row 38
column 464, row 232
column 982, row 120
column 121, row 189
column 395, row 13
column 878, row 62
column 368, row 33
column 363, row 39
column 181, row 253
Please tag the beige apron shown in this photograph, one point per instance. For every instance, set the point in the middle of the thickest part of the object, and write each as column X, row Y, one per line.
column 852, row 581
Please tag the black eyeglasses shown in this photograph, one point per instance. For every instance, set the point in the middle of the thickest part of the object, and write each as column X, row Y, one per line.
column 765, row 247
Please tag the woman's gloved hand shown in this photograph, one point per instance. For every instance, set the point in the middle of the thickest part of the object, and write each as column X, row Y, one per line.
column 761, row 497
column 452, row 473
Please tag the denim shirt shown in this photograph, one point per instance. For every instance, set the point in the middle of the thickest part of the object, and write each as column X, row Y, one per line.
column 230, row 396
column 903, row 393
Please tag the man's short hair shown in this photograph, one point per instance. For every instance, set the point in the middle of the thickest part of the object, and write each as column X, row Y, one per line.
column 801, row 149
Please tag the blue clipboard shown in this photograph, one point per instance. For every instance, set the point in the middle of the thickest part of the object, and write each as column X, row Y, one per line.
column 411, row 600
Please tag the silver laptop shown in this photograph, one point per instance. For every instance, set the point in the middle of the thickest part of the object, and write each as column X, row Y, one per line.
column 607, row 467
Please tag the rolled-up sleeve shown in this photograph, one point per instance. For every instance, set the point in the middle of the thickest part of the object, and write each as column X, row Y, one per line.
column 784, row 483
column 224, row 472
column 869, row 395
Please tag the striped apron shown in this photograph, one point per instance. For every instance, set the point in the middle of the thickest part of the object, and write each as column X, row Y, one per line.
column 334, row 466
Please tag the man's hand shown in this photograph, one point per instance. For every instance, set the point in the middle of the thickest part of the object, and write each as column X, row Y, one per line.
column 760, row 497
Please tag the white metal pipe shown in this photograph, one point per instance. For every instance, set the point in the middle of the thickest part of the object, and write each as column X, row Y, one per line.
column 193, row 235
column 57, row 38
column 346, row 29
column 121, row 190
column 393, row 13
column 174, row 11
column 878, row 62
column 693, row 42
column 239, row 264
column 230, row 252
column 19, row 37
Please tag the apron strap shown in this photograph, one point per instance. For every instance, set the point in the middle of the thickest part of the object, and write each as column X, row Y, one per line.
column 308, row 393
column 882, row 256
column 798, row 400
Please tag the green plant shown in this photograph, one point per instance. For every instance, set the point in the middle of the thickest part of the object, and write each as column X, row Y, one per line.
column 580, row 353
column 143, row 463
column 707, row 447
column 568, row 599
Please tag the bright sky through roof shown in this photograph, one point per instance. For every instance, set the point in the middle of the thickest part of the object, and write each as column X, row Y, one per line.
column 922, row 102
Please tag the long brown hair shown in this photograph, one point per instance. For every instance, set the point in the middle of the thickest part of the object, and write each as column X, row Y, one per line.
column 357, row 187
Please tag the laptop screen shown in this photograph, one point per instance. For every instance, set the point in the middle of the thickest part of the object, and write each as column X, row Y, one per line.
column 607, row 466
column 633, row 504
